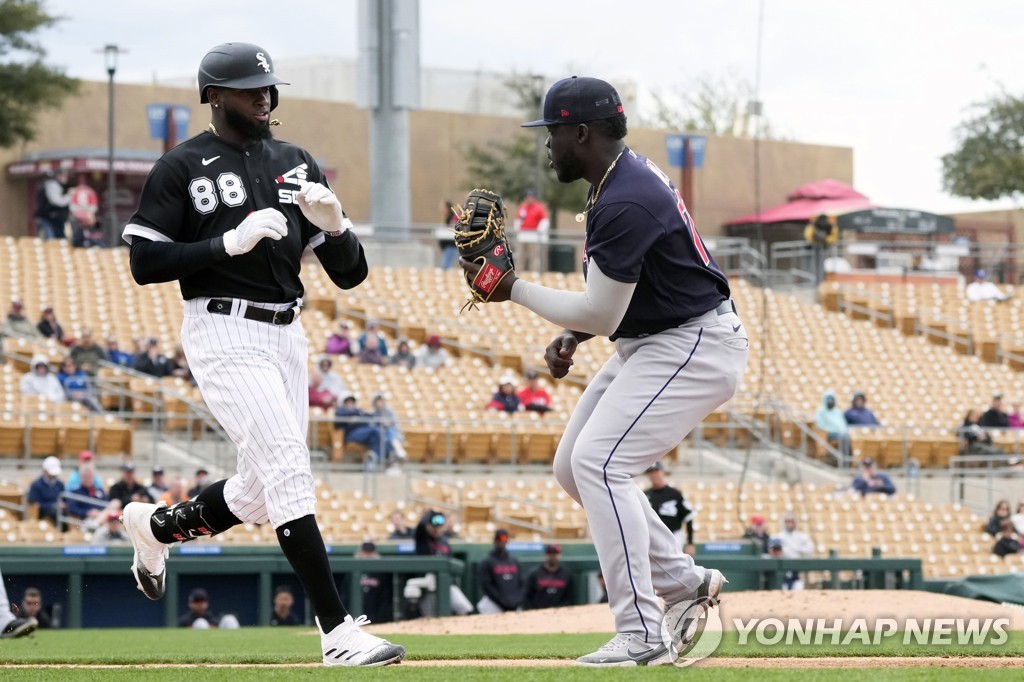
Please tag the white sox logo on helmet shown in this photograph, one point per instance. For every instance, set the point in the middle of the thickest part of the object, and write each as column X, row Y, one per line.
column 261, row 58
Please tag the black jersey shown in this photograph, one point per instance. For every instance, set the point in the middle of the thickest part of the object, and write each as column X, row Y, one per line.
column 640, row 231
column 205, row 186
column 670, row 505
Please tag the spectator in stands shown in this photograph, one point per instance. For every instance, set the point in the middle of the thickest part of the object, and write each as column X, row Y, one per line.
column 432, row 355
column 871, row 480
column 340, row 340
column 994, row 417
column 977, row 441
column 157, row 485
column 790, row 579
column 831, row 420
column 85, row 460
column 175, row 493
column 531, row 226
column 1014, row 419
column 981, row 289
column 796, row 544
column 505, row 399
column 859, row 414
column 757, row 533
column 77, row 385
column 401, row 531
column 116, row 355
column 128, row 489
column 284, row 600
column 1018, row 518
column 17, row 324
column 32, row 607
column 45, row 491
column 534, row 397
column 87, row 353
column 87, row 487
column 331, row 380
column 393, row 435
column 39, row 381
column 202, row 480
column 430, row 541
column 1007, row 542
column 403, row 356
column 111, row 532
column 53, row 201
column 373, row 347
column 670, row 506
column 501, row 578
column 377, row 588
column 49, row 327
column 445, row 241
column 179, row 365
column 360, row 427
column 550, row 584
column 152, row 361
column 999, row 514
column 318, row 395
column 199, row 615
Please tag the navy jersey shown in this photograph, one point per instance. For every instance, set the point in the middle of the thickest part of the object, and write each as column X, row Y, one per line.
column 205, row 186
column 640, row 231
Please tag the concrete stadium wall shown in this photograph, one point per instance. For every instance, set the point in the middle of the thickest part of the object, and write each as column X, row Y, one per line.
column 337, row 134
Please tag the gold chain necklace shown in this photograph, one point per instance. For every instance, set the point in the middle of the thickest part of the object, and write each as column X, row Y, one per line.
column 580, row 217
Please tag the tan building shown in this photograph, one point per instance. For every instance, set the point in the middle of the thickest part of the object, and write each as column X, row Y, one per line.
column 337, row 134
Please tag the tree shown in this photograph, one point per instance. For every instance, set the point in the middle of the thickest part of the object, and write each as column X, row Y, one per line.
column 26, row 83
column 715, row 106
column 510, row 167
column 989, row 160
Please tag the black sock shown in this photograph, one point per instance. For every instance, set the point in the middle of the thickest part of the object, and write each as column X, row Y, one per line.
column 302, row 543
column 207, row 514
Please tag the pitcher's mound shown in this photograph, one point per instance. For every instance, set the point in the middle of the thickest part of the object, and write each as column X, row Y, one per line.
column 845, row 604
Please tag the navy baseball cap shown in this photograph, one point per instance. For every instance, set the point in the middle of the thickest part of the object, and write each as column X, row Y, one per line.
column 577, row 100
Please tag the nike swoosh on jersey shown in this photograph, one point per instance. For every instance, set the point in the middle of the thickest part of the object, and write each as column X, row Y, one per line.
column 737, row 327
column 207, row 162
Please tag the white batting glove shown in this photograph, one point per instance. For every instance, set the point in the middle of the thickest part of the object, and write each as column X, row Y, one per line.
column 321, row 207
column 265, row 223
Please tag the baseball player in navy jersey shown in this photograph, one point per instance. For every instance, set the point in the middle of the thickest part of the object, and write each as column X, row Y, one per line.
column 680, row 352
column 228, row 214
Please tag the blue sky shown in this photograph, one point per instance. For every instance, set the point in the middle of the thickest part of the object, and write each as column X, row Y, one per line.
column 889, row 78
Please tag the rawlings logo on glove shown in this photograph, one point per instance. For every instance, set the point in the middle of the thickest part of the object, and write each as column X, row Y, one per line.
column 480, row 238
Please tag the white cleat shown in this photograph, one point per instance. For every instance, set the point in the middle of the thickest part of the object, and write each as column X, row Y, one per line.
column 149, row 565
column 626, row 650
column 348, row 645
column 706, row 599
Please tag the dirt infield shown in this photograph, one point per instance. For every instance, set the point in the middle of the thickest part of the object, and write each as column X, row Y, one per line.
column 848, row 605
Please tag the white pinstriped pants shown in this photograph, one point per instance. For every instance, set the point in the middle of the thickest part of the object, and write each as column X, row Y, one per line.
column 253, row 378
column 645, row 399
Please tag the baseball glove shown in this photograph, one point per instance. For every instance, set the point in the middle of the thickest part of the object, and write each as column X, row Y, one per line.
column 480, row 238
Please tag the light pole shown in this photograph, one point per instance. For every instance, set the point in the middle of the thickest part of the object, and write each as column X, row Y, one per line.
column 110, row 55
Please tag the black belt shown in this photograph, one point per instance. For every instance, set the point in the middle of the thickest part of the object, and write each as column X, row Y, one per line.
column 727, row 306
column 223, row 307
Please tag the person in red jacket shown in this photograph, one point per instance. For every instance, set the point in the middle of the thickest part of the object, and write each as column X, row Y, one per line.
column 533, row 396
column 531, row 225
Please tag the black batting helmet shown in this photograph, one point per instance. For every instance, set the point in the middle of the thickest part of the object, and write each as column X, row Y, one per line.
column 238, row 66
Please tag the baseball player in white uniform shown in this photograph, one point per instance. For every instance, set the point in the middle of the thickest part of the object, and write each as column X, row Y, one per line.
column 228, row 214
column 680, row 352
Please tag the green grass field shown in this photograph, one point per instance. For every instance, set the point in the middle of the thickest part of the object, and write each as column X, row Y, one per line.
column 261, row 646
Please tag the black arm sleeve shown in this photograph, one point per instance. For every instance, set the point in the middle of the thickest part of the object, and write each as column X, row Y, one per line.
column 153, row 261
column 689, row 532
column 343, row 260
